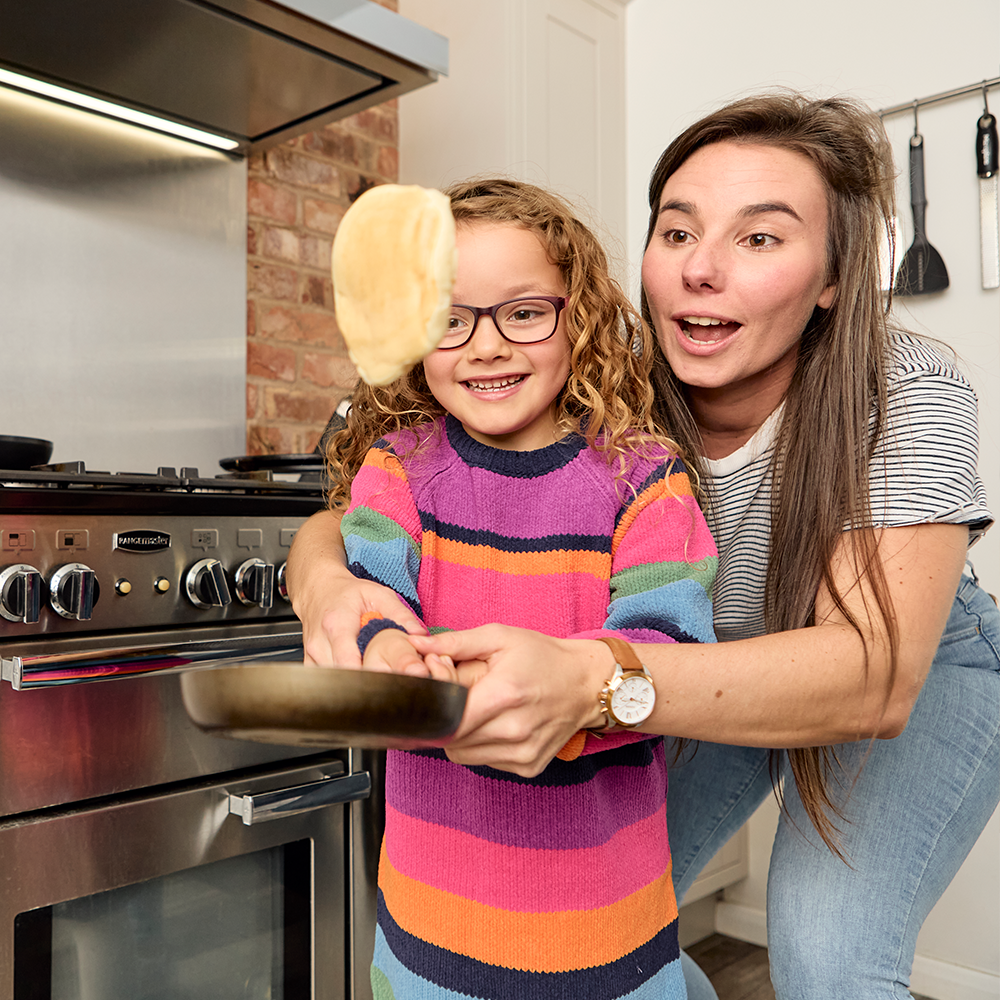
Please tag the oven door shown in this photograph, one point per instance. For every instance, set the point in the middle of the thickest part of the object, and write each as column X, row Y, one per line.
column 222, row 889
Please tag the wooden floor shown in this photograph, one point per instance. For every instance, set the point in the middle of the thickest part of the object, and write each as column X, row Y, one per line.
column 737, row 970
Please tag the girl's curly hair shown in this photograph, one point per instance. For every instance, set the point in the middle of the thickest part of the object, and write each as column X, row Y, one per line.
column 608, row 396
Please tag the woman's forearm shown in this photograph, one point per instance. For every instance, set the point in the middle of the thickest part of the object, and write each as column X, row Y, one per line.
column 822, row 684
column 329, row 600
column 791, row 689
column 315, row 561
column 316, row 552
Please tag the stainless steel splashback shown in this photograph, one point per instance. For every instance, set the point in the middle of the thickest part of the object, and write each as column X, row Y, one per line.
column 123, row 284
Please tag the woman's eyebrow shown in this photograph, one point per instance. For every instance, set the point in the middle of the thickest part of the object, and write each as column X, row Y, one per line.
column 677, row 206
column 765, row 207
column 747, row 212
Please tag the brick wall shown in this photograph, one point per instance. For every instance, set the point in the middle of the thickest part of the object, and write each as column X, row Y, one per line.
column 297, row 364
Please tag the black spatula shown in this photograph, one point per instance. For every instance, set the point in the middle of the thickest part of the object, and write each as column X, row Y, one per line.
column 921, row 270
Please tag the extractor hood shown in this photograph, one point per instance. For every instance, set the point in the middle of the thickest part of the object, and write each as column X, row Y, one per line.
column 254, row 71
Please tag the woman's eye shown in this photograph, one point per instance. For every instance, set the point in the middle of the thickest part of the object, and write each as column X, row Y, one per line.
column 761, row 240
column 677, row 236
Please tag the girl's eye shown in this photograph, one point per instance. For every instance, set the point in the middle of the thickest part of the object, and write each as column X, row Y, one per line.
column 522, row 315
column 761, row 240
column 678, row 236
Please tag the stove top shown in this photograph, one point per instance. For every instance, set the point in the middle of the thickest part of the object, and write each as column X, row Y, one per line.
column 75, row 476
column 84, row 552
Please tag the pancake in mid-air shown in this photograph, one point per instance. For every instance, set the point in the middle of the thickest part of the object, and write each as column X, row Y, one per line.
column 393, row 269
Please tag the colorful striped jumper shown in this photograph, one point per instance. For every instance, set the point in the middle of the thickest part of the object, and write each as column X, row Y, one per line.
column 558, row 886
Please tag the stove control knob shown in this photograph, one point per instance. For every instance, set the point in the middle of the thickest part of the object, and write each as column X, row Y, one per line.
column 255, row 583
column 20, row 593
column 206, row 585
column 282, row 585
column 73, row 591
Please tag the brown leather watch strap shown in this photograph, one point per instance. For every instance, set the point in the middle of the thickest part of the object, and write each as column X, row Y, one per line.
column 624, row 654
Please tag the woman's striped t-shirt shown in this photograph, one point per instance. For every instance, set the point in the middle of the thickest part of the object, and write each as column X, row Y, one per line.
column 558, row 886
column 924, row 471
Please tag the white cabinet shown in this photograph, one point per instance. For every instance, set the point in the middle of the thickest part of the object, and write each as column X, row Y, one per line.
column 536, row 91
column 730, row 864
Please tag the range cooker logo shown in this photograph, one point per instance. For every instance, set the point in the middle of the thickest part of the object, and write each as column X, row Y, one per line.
column 142, row 541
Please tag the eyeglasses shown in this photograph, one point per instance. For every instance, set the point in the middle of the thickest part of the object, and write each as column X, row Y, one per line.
column 520, row 321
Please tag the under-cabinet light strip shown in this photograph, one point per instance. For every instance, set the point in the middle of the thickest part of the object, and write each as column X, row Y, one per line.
column 119, row 111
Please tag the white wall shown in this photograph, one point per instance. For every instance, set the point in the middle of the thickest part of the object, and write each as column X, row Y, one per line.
column 684, row 61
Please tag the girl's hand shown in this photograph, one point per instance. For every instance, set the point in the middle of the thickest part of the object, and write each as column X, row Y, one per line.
column 391, row 651
column 531, row 694
column 329, row 600
column 331, row 618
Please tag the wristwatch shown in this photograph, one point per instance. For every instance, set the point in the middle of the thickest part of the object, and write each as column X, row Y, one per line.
column 627, row 699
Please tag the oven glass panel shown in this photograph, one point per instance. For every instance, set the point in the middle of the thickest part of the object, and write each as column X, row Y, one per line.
column 238, row 928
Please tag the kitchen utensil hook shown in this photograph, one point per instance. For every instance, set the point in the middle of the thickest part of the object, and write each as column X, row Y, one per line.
column 986, row 103
column 916, row 127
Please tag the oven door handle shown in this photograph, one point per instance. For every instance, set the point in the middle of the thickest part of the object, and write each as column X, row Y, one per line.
column 95, row 660
column 261, row 806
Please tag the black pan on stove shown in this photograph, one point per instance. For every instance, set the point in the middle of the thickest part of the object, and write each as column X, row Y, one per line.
column 309, row 464
column 23, row 452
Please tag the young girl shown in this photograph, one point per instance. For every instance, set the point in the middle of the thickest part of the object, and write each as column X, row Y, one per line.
column 516, row 476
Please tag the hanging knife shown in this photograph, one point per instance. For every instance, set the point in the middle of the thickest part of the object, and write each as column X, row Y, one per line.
column 986, row 167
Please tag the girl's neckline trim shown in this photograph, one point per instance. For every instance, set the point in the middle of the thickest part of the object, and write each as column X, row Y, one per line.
column 523, row 464
column 759, row 444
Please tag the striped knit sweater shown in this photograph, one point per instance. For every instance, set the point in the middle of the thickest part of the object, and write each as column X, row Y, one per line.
column 558, row 886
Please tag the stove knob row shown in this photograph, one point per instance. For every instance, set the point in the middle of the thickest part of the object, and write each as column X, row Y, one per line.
column 207, row 586
column 72, row 590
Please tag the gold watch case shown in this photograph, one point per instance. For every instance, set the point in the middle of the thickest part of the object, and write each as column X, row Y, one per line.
column 628, row 698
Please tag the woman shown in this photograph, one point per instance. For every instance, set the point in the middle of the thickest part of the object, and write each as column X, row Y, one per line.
column 761, row 279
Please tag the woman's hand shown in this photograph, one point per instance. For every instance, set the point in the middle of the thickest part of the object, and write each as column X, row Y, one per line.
column 329, row 601
column 531, row 694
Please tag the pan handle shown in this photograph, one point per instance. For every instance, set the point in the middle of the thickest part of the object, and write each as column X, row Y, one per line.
column 257, row 808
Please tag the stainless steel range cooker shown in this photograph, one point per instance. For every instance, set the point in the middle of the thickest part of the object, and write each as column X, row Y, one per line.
column 139, row 856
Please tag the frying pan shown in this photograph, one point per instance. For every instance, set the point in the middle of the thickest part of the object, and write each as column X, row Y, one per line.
column 294, row 704
column 23, row 452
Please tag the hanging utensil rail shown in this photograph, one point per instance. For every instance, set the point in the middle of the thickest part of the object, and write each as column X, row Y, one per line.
column 947, row 95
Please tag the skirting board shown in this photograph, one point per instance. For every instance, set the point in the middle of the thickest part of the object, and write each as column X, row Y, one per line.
column 931, row 977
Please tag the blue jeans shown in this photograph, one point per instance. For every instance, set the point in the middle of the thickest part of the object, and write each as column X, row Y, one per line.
column 848, row 932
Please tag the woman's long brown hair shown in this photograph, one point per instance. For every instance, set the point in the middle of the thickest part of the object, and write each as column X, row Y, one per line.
column 834, row 409
column 608, row 395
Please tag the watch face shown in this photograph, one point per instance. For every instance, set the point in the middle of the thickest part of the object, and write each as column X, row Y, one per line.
column 632, row 701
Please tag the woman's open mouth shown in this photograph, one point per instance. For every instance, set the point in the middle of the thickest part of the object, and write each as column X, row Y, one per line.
column 495, row 385
column 707, row 329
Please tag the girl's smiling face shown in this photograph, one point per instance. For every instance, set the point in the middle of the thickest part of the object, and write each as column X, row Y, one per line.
column 736, row 264
column 504, row 394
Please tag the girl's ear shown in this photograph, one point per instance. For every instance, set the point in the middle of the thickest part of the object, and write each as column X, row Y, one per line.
column 827, row 296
